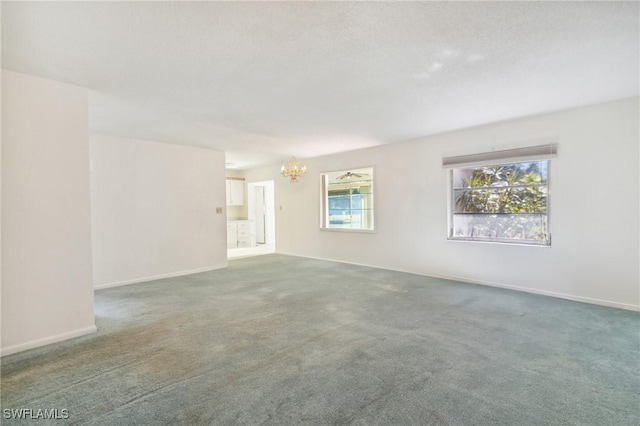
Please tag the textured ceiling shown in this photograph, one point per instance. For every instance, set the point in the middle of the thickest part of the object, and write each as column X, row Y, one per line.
column 264, row 80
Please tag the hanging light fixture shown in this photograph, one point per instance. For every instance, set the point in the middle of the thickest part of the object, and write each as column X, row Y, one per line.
column 293, row 170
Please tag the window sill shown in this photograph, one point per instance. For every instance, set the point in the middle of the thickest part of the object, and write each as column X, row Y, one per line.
column 356, row 231
column 501, row 242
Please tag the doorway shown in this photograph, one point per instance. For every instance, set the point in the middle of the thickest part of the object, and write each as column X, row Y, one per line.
column 260, row 214
column 260, row 210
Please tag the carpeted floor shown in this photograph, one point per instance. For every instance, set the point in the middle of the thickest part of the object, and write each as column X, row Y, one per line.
column 284, row 340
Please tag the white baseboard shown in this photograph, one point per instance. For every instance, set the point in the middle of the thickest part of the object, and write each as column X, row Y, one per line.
column 47, row 340
column 582, row 299
column 159, row 277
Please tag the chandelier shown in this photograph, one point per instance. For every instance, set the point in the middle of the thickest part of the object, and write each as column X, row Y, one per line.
column 293, row 170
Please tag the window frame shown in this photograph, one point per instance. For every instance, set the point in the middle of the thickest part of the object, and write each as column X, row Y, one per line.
column 514, row 241
column 324, row 204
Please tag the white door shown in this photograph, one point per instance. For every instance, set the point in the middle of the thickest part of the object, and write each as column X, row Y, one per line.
column 260, row 215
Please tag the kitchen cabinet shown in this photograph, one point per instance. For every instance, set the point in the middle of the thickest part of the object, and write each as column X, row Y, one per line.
column 235, row 192
column 241, row 233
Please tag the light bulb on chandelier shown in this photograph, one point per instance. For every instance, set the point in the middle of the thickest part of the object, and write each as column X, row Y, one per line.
column 293, row 170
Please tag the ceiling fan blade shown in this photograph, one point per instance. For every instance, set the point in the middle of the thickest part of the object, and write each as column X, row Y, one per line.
column 351, row 174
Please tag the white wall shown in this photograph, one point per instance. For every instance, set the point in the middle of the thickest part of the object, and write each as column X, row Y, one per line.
column 593, row 194
column 47, row 294
column 154, row 210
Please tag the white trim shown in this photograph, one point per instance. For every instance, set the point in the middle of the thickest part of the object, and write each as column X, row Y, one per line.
column 324, row 204
column 353, row 230
column 513, row 242
column 504, row 156
column 582, row 299
column 47, row 340
column 159, row 277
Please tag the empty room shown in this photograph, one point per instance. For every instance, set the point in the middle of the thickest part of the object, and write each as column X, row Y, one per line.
column 372, row 213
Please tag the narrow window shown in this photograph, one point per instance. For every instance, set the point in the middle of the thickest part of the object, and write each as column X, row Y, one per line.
column 347, row 200
column 500, row 201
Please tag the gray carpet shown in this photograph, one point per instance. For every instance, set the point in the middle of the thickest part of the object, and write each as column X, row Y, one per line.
column 284, row 340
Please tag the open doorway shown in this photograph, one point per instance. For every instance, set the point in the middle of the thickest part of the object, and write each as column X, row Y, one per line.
column 261, row 211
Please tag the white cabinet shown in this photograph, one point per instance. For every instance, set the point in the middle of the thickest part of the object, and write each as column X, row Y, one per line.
column 235, row 192
column 232, row 235
column 241, row 233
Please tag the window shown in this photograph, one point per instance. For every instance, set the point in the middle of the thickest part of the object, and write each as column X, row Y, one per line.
column 501, row 201
column 347, row 200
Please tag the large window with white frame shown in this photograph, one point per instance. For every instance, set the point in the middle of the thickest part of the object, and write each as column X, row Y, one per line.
column 347, row 200
column 501, row 200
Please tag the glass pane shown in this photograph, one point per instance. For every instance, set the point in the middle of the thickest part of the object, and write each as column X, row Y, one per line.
column 366, row 201
column 339, row 217
column 339, row 202
column 356, row 219
column 355, row 201
column 523, row 199
column 534, row 172
column 527, row 228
